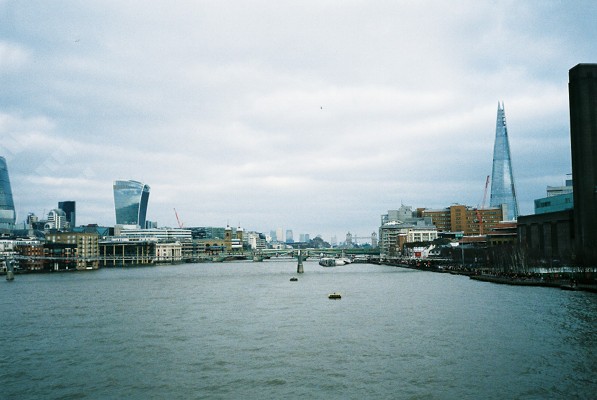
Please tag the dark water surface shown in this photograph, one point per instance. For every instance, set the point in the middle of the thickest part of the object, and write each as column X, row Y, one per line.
column 243, row 330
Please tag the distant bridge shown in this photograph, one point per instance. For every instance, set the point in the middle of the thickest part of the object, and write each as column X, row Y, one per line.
column 315, row 253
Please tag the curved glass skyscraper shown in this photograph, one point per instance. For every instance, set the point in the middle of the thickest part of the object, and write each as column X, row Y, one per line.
column 7, row 207
column 502, row 179
column 130, row 201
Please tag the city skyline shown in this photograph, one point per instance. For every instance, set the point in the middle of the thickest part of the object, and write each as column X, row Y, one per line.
column 319, row 117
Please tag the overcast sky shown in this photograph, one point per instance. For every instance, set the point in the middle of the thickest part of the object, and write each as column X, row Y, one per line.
column 316, row 116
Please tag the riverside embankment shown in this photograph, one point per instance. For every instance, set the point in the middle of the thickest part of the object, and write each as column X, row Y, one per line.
column 563, row 278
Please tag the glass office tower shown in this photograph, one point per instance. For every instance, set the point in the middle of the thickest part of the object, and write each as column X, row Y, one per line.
column 7, row 207
column 130, row 201
column 502, row 179
column 70, row 209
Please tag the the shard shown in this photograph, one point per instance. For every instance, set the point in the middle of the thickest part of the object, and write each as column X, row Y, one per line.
column 502, row 179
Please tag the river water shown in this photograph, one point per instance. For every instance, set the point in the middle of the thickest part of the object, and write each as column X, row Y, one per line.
column 243, row 330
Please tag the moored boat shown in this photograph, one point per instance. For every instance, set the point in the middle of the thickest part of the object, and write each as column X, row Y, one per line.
column 331, row 262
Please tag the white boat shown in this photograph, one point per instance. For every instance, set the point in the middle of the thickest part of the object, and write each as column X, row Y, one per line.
column 331, row 262
column 334, row 296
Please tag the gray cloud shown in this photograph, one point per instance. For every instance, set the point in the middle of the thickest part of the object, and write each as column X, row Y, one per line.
column 315, row 116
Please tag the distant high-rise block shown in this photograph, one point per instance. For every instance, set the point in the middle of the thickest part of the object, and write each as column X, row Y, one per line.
column 7, row 207
column 130, row 201
column 582, row 92
column 69, row 208
column 289, row 236
column 502, row 179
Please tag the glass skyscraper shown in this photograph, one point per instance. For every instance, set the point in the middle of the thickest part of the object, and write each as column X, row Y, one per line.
column 130, row 202
column 70, row 209
column 7, row 207
column 502, row 179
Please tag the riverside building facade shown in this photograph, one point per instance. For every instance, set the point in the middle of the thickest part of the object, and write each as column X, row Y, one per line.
column 402, row 226
column 70, row 250
column 469, row 220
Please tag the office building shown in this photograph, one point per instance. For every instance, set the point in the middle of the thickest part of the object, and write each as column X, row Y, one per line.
column 403, row 214
column 502, row 179
column 402, row 226
column 558, row 190
column 7, row 207
column 289, row 236
column 69, row 208
column 394, row 235
column 208, row 232
column 559, row 198
column 582, row 92
column 56, row 220
column 130, row 201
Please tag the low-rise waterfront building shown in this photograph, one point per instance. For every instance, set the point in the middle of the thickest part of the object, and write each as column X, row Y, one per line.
column 168, row 252
column 120, row 252
column 160, row 234
column 31, row 252
column 547, row 237
column 502, row 234
column 403, row 226
column 471, row 221
column 70, row 250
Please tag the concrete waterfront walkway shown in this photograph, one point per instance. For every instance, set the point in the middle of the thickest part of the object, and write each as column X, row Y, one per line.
column 516, row 281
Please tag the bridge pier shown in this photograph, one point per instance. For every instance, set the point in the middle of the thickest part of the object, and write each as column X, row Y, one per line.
column 10, row 272
column 299, row 267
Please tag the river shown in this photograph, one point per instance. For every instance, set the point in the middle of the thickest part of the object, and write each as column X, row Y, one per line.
column 243, row 330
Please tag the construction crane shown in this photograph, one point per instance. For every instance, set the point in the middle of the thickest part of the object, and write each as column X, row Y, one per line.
column 479, row 217
column 180, row 224
column 485, row 192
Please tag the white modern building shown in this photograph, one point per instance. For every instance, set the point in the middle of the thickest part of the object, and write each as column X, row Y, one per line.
column 56, row 220
column 158, row 234
column 401, row 226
